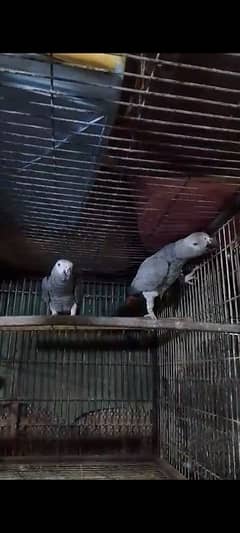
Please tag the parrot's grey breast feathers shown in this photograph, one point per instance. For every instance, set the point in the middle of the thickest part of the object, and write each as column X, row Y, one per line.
column 61, row 295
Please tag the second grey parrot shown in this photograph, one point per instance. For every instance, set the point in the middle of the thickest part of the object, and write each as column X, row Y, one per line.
column 158, row 272
column 59, row 290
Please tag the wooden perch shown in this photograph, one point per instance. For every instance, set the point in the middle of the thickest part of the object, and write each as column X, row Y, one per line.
column 39, row 323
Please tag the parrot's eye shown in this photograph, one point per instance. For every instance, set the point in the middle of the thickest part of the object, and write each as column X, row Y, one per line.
column 59, row 264
column 195, row 243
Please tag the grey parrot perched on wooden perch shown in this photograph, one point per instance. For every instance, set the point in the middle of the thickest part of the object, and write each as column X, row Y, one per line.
column 159, row 271
column 59, row 290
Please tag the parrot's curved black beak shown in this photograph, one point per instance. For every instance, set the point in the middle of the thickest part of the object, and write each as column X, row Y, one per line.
column 212, row 244
column 66, row 274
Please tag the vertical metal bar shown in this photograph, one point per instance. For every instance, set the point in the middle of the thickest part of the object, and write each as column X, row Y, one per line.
column 155, row 398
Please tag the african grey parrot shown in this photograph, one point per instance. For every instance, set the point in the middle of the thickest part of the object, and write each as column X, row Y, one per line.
column 59, row 290
column 158, row 272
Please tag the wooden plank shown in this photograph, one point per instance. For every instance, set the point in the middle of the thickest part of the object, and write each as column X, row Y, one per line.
column 37, row 323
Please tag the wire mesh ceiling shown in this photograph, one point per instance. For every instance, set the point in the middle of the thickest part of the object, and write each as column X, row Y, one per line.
column 105, row 167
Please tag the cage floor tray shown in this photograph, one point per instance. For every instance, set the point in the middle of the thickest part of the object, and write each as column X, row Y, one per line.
column 99, row 471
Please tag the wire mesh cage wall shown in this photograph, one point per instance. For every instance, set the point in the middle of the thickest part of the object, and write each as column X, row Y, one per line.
column 73, row 393
column 109, row 165
column 91, row 157
column 200, row 371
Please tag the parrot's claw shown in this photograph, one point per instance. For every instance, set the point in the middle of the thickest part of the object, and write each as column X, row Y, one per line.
column 190, row 279
column 52, row 310
column 152, row 316
column 74, row 309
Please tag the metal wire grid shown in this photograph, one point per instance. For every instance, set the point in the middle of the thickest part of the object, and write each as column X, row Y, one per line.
column 215, row 294
column 59, row 389
column 89, row 159
column 200, row 372
column 95, row 298
column 86, row 471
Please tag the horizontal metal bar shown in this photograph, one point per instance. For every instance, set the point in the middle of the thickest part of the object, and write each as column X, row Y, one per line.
column 129, row 140
column 133, row 75
column 131, row 149
column 125, row 89
column 76, row 459
column 138, row 119
column 88, row 165
column 35, row 323
column 166, row 108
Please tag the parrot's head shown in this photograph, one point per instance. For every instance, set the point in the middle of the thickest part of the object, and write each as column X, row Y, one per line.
column 63, row 268
column 196, row 244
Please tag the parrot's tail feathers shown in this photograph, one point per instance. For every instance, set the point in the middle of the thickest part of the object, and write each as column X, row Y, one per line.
column 132, row 292
column 134, row 306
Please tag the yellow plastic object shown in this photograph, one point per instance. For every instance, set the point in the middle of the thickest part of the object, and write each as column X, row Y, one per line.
column 113, row 63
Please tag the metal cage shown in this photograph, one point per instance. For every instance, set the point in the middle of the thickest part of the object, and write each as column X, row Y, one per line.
column 164, row 394
column 200, row 371
column 108, row 165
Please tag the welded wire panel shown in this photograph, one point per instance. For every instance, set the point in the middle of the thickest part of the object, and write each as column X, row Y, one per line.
column 200, row 372
column 109, row 166
column 74, row 392
column 24, row 298
column 199, row 414
column 65, row 393
column 215, row 294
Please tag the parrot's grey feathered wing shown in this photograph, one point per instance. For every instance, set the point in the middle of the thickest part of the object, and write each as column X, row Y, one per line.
column 151, row 274
column 45, row 293
column 77, row 291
